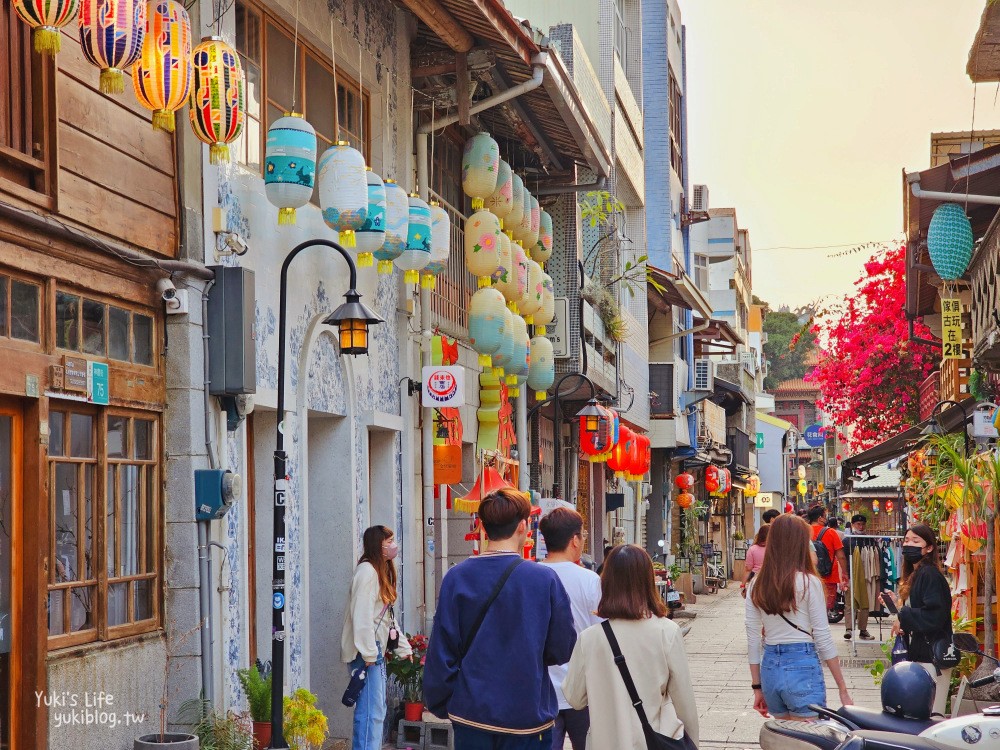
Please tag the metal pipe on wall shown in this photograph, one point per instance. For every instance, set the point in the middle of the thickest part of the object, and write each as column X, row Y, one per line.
column 205, row 605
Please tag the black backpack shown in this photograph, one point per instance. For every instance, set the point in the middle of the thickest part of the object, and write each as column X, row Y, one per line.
column 824, row 563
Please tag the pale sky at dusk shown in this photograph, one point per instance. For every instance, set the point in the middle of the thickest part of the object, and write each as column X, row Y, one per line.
column 803, row 114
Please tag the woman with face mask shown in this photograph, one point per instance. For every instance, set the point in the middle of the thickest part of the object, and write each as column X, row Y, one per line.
column 369, row 628
column 924, row 603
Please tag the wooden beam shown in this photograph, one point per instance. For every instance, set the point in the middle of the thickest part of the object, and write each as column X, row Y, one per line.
column 499, row 80
column 463, row 88
column 515, row 35
column 442, row 23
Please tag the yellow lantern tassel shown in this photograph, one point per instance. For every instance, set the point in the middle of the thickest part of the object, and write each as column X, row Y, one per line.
column 347, row 238
column 515, row 392
column 366, row 260
column 163, row 119
column 427, row 281
column 477, row 204
column 512, row 306
column 484, row 281
column 511, row 380
column 286, row 216
column 385, row 267
column 498, row 372
column 218, row 153
column 540, row 330
column 529, row 320
column 112, row 81
column 47, row 39
column 411, row 277
column 465, row 506
column 485, row 360
column 541, row 395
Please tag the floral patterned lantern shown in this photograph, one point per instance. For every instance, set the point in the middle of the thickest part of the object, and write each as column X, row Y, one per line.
column 217, row 97
column 45, row 19
column 111, row 34
column 522, row 230
column 541, row 367
column 505, row 277
column 417, row 254
column 440, row 244
column 162, row 75
column 482, row 245
column 480, row 168
column 531, row 302
column 487, row 323
column 502, row 199
column 547, row 312
column 950, row 241
column 397, row 220
column 517, row 372
column 618, row 462
column 343, row 191
column 504, row 357
column 516, row 213
column 542, row 250
column 289, row 165
column 535, row 226
column 370, row 238
column 521, row 264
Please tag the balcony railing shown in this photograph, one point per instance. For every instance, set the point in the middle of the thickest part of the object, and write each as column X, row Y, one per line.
column 455, row 287
column 954, row 385
column 928, row 394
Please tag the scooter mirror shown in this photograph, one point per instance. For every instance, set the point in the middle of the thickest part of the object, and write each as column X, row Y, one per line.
column 966, row 642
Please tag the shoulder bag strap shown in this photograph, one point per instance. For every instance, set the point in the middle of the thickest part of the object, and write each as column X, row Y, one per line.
column 633, row 694
column 489, row 602
column 807, row 632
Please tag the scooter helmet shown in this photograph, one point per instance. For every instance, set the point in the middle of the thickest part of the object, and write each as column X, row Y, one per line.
column 908, row 691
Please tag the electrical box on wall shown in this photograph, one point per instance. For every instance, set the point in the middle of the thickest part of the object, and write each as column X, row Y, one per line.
column 232, row 352
column 215, row 491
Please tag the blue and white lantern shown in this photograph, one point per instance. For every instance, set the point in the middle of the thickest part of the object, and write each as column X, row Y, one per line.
column 517, row 372
column 417, row 254
column 371, row 236
column 397, row 219
column 487, row 323
column 343, row 191
column 440, row 245
column 289, row 165
column 480, row 167
column 542, row 367
column 949, row 241
column 516, row 213
column 504, row 357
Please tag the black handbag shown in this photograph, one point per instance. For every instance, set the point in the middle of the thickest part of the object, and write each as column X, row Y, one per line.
column 944, row 654
column 392, row 641
column 654, row 740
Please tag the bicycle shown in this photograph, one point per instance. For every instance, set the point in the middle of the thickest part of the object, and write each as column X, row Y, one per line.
column 717, row 570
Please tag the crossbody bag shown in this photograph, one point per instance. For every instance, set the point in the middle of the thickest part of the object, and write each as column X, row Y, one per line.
column 478, row 622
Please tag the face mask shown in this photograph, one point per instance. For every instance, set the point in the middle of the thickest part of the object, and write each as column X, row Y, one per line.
column 913, row 554
column 390, row 550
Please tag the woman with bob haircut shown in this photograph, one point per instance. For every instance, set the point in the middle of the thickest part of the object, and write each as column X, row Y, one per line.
column 653, row 647
column 787, row 628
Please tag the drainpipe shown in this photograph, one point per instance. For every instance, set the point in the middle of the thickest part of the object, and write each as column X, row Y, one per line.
column 915, row 340
column 579, row 188
column 689, row 332
column 918, row 192
column 204, row 553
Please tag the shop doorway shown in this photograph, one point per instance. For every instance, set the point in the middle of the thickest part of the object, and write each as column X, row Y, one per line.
column 11, row 487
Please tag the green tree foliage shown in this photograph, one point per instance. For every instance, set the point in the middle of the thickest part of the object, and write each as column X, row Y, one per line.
column 786, row 348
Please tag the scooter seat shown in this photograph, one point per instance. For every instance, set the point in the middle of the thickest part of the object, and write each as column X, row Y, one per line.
column 882, row 721
column 889, row 741
column 780, row 734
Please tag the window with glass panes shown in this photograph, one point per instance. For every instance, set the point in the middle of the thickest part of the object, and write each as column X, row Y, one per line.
column 90, row 326
column 20, row 309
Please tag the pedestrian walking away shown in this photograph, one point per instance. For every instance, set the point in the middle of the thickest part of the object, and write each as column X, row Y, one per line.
column 835, row 578
column 788, row 633
column 755, row 558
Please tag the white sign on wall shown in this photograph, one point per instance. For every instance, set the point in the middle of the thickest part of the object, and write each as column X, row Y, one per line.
column 558, row 331
column 764, row 500
column 443, row 385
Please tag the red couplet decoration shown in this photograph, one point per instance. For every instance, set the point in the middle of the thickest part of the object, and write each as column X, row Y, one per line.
column 618, row 462
column 684, row 481
column 713, row 478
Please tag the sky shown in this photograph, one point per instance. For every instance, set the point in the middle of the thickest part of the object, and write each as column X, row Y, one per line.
column 802, row 115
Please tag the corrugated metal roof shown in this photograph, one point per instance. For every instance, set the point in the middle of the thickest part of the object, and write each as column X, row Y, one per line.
column 884, row 477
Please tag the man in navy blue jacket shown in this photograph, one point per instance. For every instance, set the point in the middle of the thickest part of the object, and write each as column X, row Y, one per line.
column 499, row 696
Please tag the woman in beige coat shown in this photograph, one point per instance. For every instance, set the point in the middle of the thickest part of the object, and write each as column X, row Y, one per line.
column 653, row 647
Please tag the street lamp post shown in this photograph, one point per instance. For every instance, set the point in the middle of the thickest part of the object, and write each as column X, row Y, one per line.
column 934, row 427
column 352, row 320
column 556, row 441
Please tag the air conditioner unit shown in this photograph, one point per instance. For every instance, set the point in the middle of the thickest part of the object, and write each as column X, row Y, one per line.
column 704, row 375
column 699, row 197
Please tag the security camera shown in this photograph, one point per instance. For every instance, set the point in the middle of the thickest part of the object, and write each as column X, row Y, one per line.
column 166, row 289
column 236, row 244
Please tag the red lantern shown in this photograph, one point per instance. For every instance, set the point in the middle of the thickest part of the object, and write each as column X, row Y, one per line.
column 888, row 506
column 618, row 462
column 789, row 508
column 685, row 500
column 846, row 506
column 595, row 435
column 684, row 481
column 632, row 472
column 713, row 478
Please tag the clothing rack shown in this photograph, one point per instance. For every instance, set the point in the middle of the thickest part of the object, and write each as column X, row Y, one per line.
column 870, row 540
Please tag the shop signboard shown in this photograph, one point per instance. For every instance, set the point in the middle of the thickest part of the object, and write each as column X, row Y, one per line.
column 443, row 385
column 814, row 436
column 951, row 329
column 558, row 331
column 764, row 500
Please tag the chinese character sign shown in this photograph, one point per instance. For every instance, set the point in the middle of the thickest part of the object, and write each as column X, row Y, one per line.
column 951, row 329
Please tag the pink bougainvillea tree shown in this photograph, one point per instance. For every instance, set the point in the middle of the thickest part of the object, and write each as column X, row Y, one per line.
column 869, row 373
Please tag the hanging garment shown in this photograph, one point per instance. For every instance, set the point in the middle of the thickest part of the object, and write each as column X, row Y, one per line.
column 858, row 580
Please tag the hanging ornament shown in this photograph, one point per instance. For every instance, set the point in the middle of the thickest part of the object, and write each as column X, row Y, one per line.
column 633, row 471
column 417, row 254
column 504, row 356
column 685, row 500
column 618, row 462
column 162, row 75
column 547, row 312
column 482, row 246
column 289, row 165
column 684, row 481
column 522, row 230
column 531, row 302
column 501, row 201
column 505, row 273
column 875, row 506
column 397, row 220
column 480, row 168
column 517, row 372
column 111, row 34
column 542, row 250
column 595, row 436
column 516, row 213
column 535, row 226
column 217, row 97
column 713, row 478
column 541, row 367
column 342, row 181
column 46, row 17
column 846, row 506
column 521, row 264
column 949, row 241
column 487, row 321
column 371, row 236
column 889, row 506
column 440, row 244
column 753, row 487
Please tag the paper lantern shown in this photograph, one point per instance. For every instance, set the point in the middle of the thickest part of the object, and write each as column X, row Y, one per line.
column 789, row 508
column 482, row 246
column 371, row 236
column 541, row 367
column 111, row 34
column 535, row 226
column 501, row 201
column 547, row 312
column 46, row 17
column 447, row 464
column 397, row 221
column 519, row 282
column 217, row 97
column 596, row 443
column 487, row 322
column 618, row 461
column 480, row 168
column 845, row 506
column 633, row 469
column 417, row 254
column 162, row 75
column 875, row 505
column 504, row 356
column 531, row 302
column 614, row 428
column 645, row 455
column 713, row 478
column 949, row 241
column 517, row 193
column 684, row 481
column 522, row 230
column 753, row 487
column 440, row 244
column 889, row 506
column 517, row 372
column 803, row 488
column 505, row 277
column 542, row 250
column 342, row 181
column 289, row 165
column 685, row 500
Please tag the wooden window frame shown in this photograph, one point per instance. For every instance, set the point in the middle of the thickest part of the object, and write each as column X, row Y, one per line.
column 6, row 337
column 108, row 303
column 676, row 122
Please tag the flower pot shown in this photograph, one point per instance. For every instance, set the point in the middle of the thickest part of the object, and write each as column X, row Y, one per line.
column 261, row 735
column 413, row 711
column 173, row 741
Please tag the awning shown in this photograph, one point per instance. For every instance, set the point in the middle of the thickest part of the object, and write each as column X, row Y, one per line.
column 717, row 334
column 730, row 396
column 677, row 290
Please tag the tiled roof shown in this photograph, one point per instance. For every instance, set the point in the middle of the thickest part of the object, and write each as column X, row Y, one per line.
column 795, row 385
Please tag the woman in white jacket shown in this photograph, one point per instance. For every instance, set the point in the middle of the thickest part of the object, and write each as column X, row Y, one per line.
column 366, row 632
column 653, row 647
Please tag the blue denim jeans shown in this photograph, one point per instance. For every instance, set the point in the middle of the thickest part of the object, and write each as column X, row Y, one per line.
column 369, row 711
column 791, row 678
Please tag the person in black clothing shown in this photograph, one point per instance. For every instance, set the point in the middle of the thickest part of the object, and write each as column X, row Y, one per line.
column 924, row 603
column 607, row 551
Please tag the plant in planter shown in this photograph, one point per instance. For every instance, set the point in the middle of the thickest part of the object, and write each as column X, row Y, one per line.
column 409, row 675
column 164, row 739
column 305, row 725
column 256, row 683
column 217, row 730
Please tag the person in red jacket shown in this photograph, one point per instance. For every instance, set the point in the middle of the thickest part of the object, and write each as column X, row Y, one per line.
column 835, row 548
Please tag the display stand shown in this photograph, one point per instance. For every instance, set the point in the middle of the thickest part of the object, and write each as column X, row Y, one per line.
column 896, row 542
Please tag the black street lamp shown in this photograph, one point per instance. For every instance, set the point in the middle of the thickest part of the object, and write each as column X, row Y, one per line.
column 934, row 427
column 352, row 319
column 585, row 412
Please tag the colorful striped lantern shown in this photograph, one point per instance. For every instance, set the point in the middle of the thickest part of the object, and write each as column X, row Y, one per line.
column 480, row 168
column 482, row 246
column 542, row 250
column 343, row 191
column 289, row 165
column 217, row 97
column 370, row 238
column 950, row 241
column 541, row 367
column 517, row 372
column 111, row 34
column 504, row 356
column 487, row 321
column 440, row 245
column 162, row 75
column 531, row 302
column 502, row 200
column 517, row 193
column 46, row 17
column 417, row 254
column 547, row 312
column 397, row 219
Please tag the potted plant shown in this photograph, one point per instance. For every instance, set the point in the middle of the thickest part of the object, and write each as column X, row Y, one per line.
column 217, row 730
column 305, row 725
column 164, row 740
column 409, row 675
column 256, row 683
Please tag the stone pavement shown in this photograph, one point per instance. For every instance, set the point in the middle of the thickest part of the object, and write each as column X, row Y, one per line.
column 717, row 652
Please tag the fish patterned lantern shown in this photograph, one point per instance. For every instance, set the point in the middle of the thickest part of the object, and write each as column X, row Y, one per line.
column 542, row 250
column 531, row 302
column 502, row 200
column 46, row 17
column 487, row 323
column 342, row 181
column 482, row 246
column 217, row 97
column 541, row 367
column 397, row 219
column 440, row 245
column 162, row 75
column 111, row 34
column 417, row 254
column 289, row 165
column 480, row 168
column 371, row 236
column 547, row 312
column 517, row 193
column 504, row 356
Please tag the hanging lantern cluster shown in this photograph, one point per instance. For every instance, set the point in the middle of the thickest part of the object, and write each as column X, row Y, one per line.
column 111, row 36
column 718, row 481
column 417, row 253
column 480, row 168
column 342, row 181
column 397, row 226
column 162, row 75
column 949, row 241
column 218, row 109
column 440, row 245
